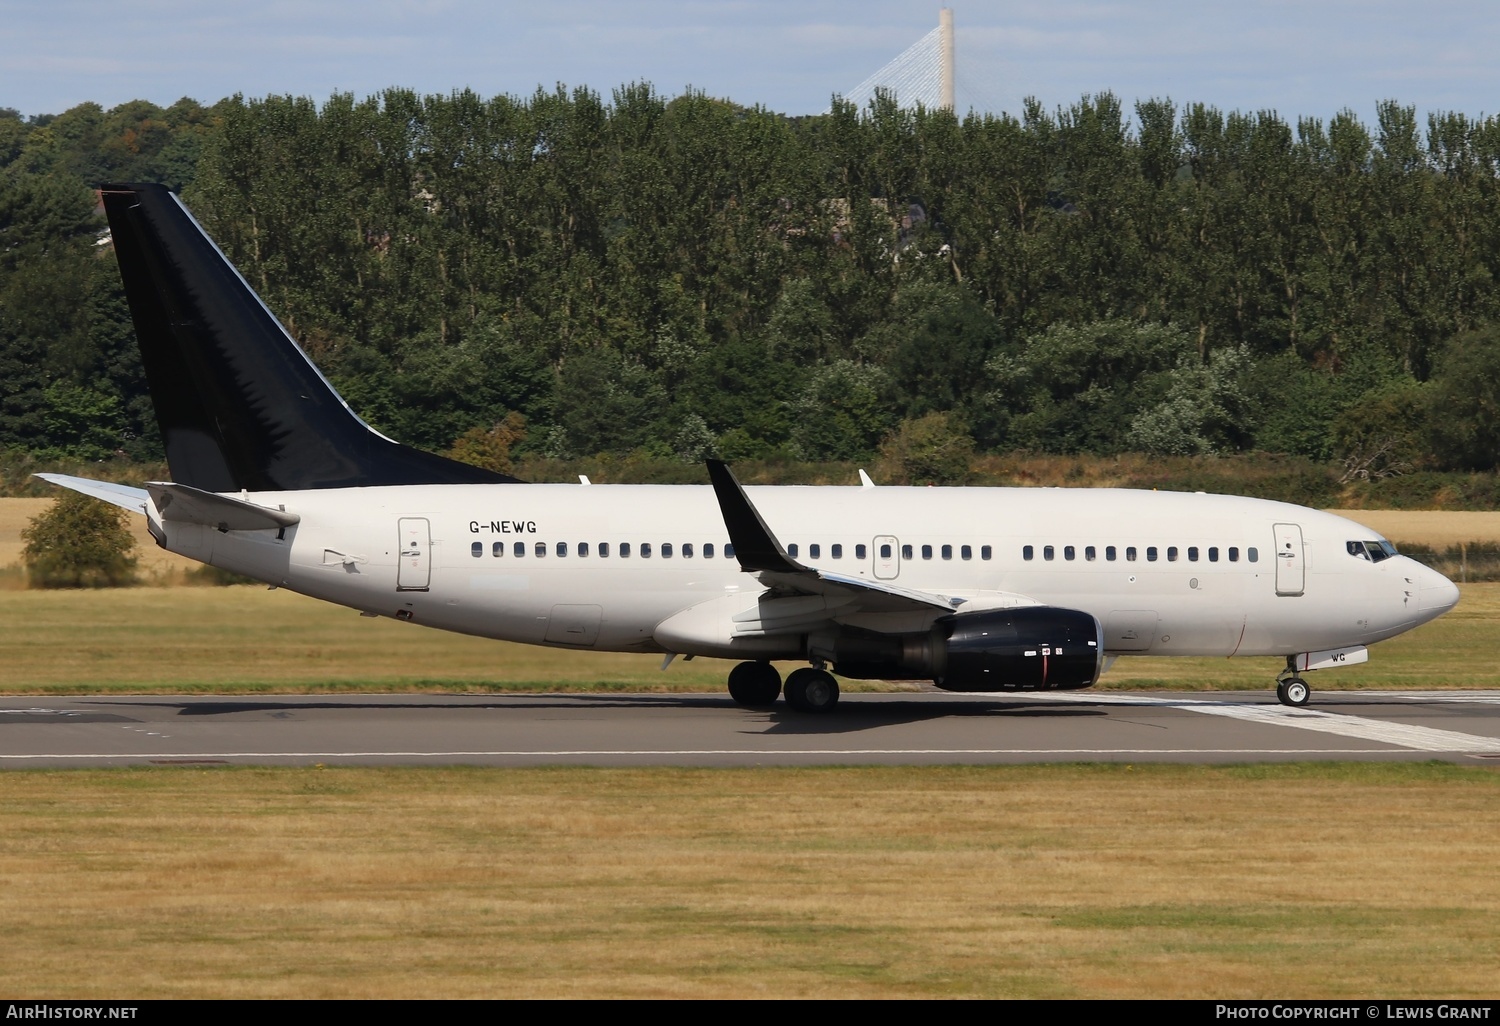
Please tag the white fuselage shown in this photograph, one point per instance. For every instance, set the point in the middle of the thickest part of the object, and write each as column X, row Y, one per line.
column 1165, row 573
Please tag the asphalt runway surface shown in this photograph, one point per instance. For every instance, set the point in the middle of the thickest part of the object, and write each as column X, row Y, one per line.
column 710, row 730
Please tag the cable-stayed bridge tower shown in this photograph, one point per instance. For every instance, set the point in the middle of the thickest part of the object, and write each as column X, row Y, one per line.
column 923, row 73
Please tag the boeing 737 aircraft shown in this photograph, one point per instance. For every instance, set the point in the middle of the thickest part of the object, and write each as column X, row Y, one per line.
column 975, row 589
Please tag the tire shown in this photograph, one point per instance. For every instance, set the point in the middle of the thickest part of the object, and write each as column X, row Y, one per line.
column 812, row 691
column 1297, row 692
column 754, row 685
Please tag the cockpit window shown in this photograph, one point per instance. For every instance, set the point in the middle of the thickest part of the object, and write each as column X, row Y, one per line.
column 1374, row 551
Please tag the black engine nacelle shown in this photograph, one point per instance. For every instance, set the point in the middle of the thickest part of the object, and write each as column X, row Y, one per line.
column 1033, row 647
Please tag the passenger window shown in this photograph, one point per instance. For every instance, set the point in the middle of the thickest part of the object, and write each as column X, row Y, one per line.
column 1252, row 555
column 985, row 552
column 708, row 550
column 645, row 550
column 604, row 550
column 1234, row 554
column 1151, row 553
column 519, row 549
column 965, row 552
column 728, row 550
column 562, row 549
column 1069, row 552
column 1048, row 552
column 1171, row 553
column 791, row 550
column 906, row 552
column 1027, row 552
column 859, row 552
column 836, row 550
column 477, row 549
column 541, row 549
column 1213, row 553
column 1109, row 553
column 666, row 550
column 814, row 551
column 1192, row 553
column 497, row 549
column 687, row 550
column 1130, row 553
column 1090, row 553
column 624, row 550
column 926, row 551
column 947, row 551
column 583, row 548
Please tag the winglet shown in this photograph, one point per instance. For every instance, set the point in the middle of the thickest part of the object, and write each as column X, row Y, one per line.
column 754, row 545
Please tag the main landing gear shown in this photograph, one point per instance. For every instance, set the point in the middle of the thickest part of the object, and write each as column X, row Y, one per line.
column 1291, row 689
column 755, row 685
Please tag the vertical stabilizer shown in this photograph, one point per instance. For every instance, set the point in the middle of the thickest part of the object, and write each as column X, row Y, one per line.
column 239, row 404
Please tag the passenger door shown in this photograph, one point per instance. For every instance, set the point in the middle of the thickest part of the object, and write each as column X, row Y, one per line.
column 414, row 569
column 1291, row 573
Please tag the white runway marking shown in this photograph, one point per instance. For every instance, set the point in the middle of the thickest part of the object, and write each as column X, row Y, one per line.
column 761, row 752
column 1422, row 739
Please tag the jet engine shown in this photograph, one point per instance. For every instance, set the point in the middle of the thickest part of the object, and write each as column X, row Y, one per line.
column 1030, row 647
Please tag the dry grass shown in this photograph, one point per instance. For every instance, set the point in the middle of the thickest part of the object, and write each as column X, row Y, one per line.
column 156, row 566
column 1354, row 881
column 1436, row 529
column 246, row 638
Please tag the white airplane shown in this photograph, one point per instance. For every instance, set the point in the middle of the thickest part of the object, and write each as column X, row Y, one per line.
column 975, row 589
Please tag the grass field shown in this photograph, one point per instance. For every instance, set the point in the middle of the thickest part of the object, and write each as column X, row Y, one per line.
column 248, row 639
column 1337, row 881
column 1358, row 881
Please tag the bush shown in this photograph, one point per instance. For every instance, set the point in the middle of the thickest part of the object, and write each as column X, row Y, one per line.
column 928, row 450
column 79, row 542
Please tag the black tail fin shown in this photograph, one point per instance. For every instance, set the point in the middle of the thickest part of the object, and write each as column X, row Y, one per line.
column 239, row 403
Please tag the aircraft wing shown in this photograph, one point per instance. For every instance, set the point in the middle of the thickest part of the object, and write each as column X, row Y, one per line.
column 760, row 553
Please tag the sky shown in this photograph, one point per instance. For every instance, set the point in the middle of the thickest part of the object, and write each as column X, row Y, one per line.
column 1298, row 57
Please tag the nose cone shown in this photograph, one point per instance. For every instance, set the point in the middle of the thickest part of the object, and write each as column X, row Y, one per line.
column 1436, row 594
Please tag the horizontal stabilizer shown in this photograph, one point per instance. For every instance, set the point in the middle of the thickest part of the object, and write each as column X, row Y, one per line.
column 124, row 496
column 189, row 505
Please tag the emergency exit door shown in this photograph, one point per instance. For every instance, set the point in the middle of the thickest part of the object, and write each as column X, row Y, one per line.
column 887, row 556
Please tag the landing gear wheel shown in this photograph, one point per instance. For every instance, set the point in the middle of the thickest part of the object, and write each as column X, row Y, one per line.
column 1293, row 692
column 812, row 691
column 754, row 685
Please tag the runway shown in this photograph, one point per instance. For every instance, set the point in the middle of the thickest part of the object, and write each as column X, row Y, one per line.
column 710, row 730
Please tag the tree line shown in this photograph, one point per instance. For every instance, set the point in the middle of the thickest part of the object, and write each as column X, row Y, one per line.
column 568, row 275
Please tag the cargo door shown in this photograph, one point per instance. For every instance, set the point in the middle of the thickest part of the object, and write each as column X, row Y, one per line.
column 574, row 625
column 1130, row 630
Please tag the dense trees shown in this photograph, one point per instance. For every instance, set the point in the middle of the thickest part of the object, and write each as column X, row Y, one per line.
column 684, row 275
